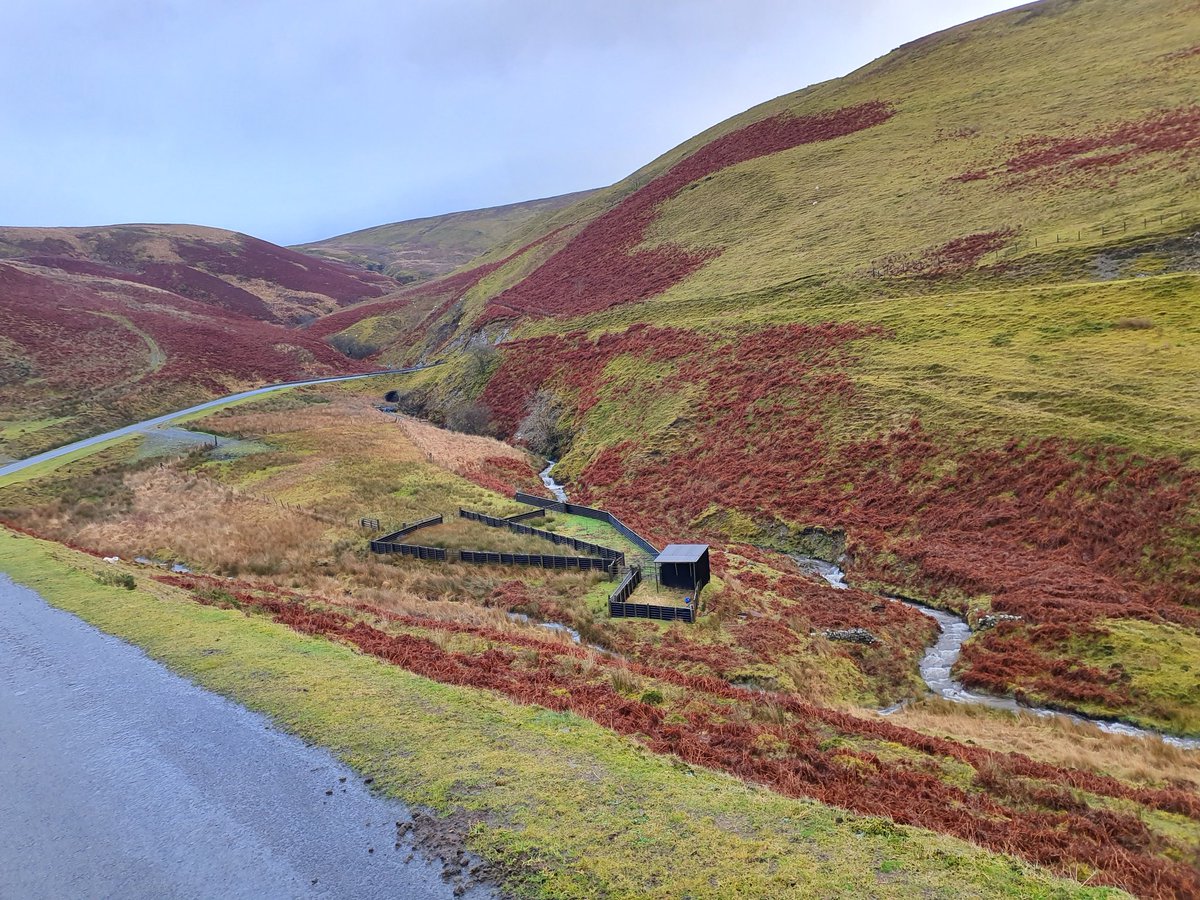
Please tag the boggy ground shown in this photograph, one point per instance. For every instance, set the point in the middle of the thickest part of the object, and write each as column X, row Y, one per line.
column 723, row 694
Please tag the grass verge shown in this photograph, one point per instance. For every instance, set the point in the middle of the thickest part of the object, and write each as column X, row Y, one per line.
column 564, row 806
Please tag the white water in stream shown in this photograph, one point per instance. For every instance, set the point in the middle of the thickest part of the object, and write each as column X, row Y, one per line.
column 940, row 658
column 551, row 485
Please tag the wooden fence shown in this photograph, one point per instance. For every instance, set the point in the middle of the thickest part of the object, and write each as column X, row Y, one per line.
column 651, row 611
column 538, row 560
column 615, row 556
column 532, row 514
column 574, row 509
column 408, row 529
column 389, row 544
column 627, row 586
column 414, row 550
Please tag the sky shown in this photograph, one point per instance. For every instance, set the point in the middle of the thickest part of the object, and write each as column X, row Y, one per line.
column 294, row 120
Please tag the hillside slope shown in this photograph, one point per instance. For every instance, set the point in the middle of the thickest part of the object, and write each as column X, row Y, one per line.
column 232, row 271
column 939, row 315
column 419, row 249
column 106, row 325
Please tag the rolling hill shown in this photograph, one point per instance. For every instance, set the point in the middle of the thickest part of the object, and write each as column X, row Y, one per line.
column 939, row 315
column 935, row 322
column 419, row 249
column 107, row 325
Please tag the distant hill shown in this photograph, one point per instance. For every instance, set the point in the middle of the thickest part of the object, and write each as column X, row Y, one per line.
column 233, row 271
column 420, row 249
column 106, row 325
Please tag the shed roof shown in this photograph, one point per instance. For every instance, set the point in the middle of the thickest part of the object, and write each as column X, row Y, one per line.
column 682, row 553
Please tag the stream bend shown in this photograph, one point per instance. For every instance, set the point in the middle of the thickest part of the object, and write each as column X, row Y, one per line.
column 940, row 657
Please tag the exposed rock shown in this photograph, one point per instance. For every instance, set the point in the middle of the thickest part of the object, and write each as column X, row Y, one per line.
column 991, row 620
column 851, row 635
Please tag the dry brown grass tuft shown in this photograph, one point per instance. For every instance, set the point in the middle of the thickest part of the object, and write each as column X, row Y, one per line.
column 180, row 516
column 446, row 592
column 459, row 453
column 1055, row 740
column 1135, row 323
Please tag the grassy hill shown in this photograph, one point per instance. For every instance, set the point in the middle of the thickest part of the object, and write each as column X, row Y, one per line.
column 106, row 325
column 420, row 249
column 944, row 309
column 935, row 320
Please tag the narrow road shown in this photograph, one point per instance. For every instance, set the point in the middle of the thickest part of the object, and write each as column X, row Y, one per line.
column 18, row 465
column 121, row 779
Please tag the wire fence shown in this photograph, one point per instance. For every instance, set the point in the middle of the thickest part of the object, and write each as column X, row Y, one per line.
column 1043, row 239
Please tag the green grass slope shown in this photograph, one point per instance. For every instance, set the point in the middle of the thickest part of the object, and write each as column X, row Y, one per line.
column 419, row 249
column 944, row 307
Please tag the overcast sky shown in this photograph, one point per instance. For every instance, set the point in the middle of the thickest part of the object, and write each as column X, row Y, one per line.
column 295, row 120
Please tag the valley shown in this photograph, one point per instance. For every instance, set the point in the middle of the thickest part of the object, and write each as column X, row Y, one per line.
column 914, row 353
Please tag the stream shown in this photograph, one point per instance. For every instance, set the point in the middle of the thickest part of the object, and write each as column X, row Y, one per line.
column 940, row 658
column 553, row 486
column 938, row 662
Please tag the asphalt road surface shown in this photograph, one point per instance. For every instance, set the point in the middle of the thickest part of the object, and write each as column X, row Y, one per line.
column 19, row 464
column 121, row 779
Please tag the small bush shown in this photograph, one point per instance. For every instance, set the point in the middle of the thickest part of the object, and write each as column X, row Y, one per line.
column 469, row 418
column 117, row 579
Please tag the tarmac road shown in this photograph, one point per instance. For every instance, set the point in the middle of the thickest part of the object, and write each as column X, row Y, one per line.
column 121, row 779
column 18, row 465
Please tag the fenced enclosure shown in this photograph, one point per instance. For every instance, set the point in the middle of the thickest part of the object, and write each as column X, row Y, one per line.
column 602, row 559
column 609, row 561
column 619, row 606
column 562, row 540
column 574, row 509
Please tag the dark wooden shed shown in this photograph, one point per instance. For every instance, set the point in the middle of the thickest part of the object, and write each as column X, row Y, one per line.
column 683, row 566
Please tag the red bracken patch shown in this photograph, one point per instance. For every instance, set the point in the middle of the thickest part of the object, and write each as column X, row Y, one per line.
column 574, row 362
column 1043, row 159
column 600, row 267
column 505, row 476
column 1016, row 804
column 1057, row 532
column 951, row 258
column 72, row 336
column 290, row 269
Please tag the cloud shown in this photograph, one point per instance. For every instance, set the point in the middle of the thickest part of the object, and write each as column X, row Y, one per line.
column 295, row 120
